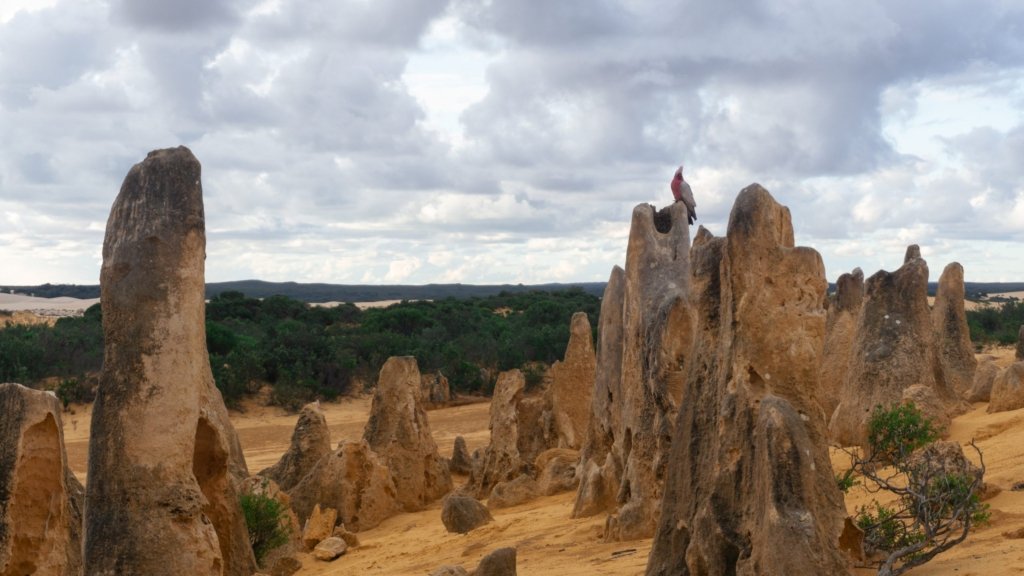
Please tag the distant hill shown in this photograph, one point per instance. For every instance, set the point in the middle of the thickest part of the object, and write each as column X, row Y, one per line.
column 328, row 292
column 375, row 293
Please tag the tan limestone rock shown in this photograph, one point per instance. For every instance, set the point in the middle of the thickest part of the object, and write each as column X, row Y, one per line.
column 40, row 499
column 160, row 439
column 840, row 334
column 513, row 492
column 535, row 427
column 598, row 487
column 501, row 461
column 984, row 376
column 434, row 391
column 941, row 457
column 655, row 332
column 750, row 487
column 954, row 352
column 354, row 482
column 501, row 562
column 330, row 549
column 1008, row 389
column 893, row 349
column 556, row 471
column 398, row 431
column 572, row 383
column 928, row 403
column 311, row 441
column 600, row 467
column 461, row 513
column 461, row 462
column 319, row 526
column 350, row 538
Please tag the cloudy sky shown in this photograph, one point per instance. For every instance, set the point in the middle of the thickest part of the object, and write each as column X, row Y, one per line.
column 492, row 141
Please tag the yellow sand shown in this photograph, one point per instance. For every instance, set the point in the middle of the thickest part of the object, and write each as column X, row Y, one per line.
column 551, row 543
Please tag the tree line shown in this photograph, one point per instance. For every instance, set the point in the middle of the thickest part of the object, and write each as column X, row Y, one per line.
column 999, row 324
column 306, row 352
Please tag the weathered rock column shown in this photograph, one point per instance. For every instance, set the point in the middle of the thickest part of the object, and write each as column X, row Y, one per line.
column 600, row 467
column 311, row 442
column 40, row 498
column 399, row 432
column 840, row 334
column 954, row 353
column 656, row 327
column 894, row 349
column 572, row 385
column 163, row 457
column 501, row 460
column 749, row 488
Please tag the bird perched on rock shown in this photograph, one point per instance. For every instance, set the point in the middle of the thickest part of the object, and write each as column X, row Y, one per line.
column 682, row 193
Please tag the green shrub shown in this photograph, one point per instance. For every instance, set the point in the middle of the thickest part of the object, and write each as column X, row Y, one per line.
column 267, row 522
column 846, row 480
column 884, row 530
column 73, row 390
column 292, row 395
column 894, row 433
column 936, row 490
column 533, row 372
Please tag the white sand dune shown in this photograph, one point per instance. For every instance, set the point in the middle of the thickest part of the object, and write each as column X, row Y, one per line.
column 46, row 306
column 67, row 306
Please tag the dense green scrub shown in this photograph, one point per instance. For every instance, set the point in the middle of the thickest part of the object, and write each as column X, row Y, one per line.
column 996, row 324
column 308, row 352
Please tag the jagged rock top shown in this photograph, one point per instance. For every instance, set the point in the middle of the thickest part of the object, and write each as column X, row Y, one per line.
column 311, row 441
column 399, row 432
column 160, row 438
column 849, row 291
column 749, row 417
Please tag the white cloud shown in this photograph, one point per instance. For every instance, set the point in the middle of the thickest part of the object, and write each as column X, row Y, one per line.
column 508, row 141
column 400, row 270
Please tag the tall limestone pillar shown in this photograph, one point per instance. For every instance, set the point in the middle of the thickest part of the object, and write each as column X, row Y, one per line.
column 163, row 457
column 749, row 488
column 645, row 341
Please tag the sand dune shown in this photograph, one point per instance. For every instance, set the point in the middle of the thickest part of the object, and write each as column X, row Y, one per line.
column 71, row 306
column 63, row 306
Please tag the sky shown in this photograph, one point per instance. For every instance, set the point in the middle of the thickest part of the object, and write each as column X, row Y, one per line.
column 508, row 141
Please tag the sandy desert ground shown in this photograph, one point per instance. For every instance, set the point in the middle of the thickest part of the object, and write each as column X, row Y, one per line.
column 548, row 541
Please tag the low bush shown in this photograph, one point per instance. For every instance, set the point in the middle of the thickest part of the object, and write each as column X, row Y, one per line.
column 267, row 522
column 74, row 391
column 936, row 490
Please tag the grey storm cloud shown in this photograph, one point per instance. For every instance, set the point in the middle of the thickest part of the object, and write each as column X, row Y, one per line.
column 178, row 16
column 809, row 81
column 313, row 135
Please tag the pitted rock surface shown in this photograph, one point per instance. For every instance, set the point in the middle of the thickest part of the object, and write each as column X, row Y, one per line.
column 160, row 438
column 750, row 488
column 640, row 374
column 399, row 432
column 311, row 441
column 41, row 501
